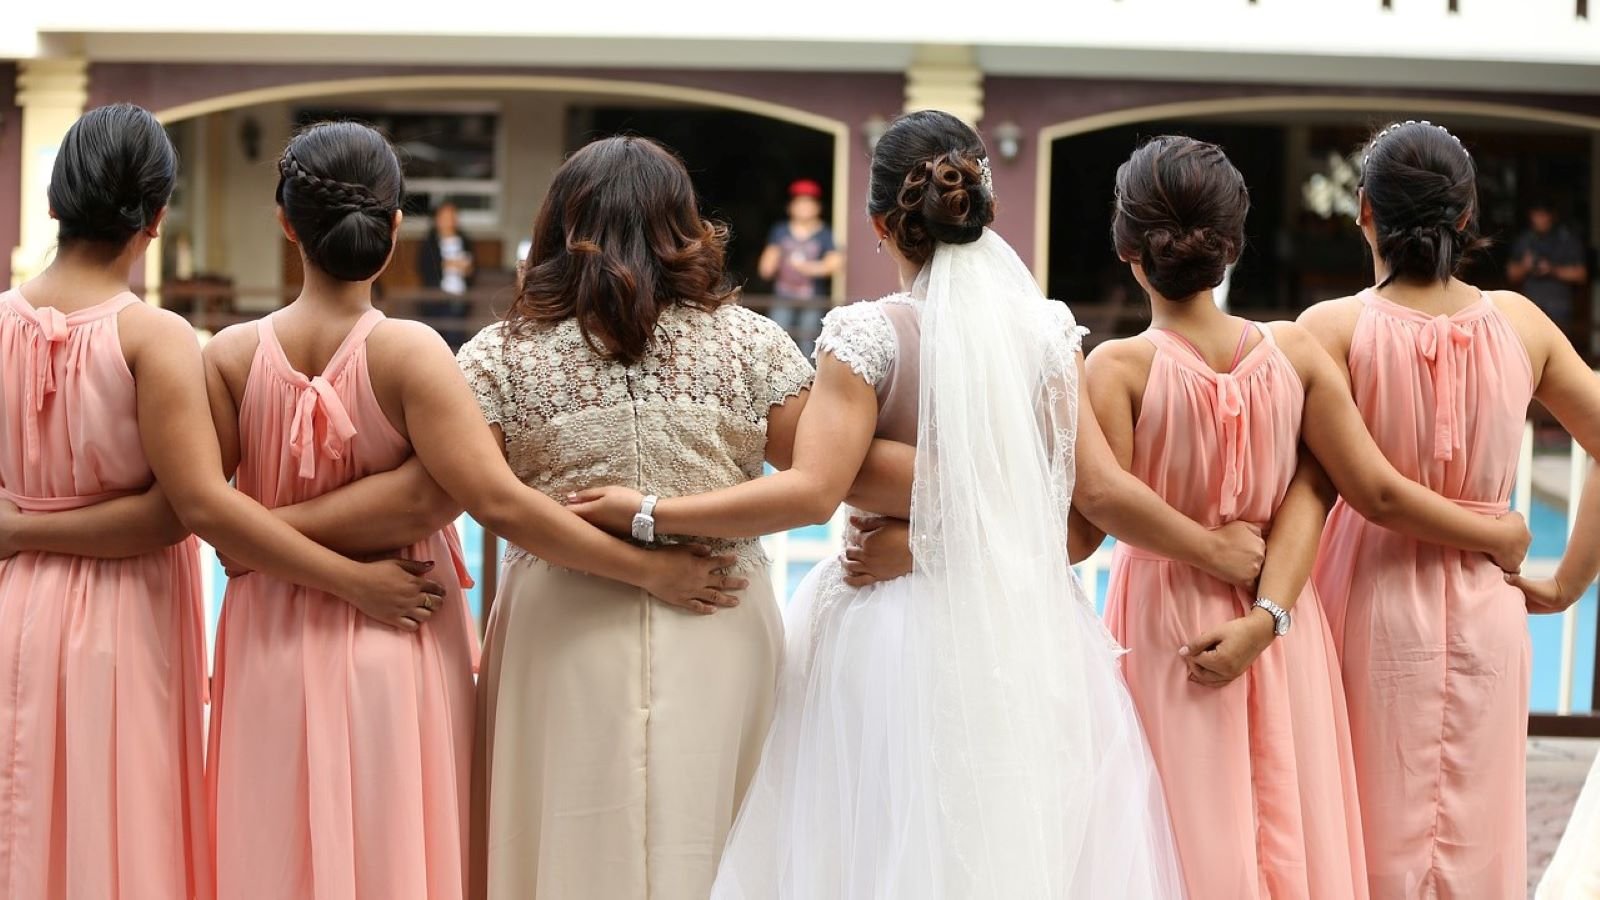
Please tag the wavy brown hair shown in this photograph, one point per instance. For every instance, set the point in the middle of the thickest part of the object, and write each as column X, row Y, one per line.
column 618, row 240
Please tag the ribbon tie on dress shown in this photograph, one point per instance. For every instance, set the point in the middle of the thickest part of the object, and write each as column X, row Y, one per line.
column 1438, row 341
column 321, row 424
column 53, row 333
column 1230, row 423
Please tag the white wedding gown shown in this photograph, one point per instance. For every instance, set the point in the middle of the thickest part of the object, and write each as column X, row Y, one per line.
column 1574, row 871
column 962, row 733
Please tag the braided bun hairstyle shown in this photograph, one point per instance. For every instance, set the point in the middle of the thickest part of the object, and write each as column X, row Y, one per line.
column 1422, row 188
column 113, row 175
column 1180, row 211
column 929, row 181
column 339, row 184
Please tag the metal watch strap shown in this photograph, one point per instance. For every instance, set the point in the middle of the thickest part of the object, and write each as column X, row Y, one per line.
column 1280, row 616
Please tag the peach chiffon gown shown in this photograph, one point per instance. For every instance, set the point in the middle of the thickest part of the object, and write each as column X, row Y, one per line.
column 1434, row 643
column 1258, row 775
column 341, row 748
column 102, row 661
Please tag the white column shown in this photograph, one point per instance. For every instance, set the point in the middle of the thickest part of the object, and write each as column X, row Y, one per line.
column 52, row 94
column 946, row 77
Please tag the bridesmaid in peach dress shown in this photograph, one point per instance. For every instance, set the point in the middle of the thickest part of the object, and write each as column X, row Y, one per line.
column 1433, row 641
column 1247, row 721
column 341, row 738
column 102, row 656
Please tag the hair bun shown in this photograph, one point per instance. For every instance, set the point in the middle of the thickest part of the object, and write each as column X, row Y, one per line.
column 339, row 185
column 927, row 183
column 1184, row 263
column 943, row 201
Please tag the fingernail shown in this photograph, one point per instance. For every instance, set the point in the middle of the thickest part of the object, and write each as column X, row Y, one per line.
column 1184, row 650
column 428, row 565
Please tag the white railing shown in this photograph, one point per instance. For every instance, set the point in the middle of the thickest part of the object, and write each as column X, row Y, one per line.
column 787, row 550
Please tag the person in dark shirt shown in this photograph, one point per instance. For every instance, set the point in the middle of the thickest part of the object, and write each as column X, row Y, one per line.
column 1548, row 266
column 445, row 265
column 799, row 260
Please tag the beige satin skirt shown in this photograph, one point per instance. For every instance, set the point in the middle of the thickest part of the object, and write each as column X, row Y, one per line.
column 616, row 736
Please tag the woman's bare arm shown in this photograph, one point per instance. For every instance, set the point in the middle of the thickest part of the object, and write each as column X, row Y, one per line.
column 376, row 514
column 453, row 442
column 116, row 529
column 182, row 447
column 883, row 486
column 1129, row 510
column 831, row 443
column 1333, row 429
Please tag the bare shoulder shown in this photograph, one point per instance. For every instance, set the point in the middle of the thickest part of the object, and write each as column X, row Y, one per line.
column 233, row 344
column 403, row 345
column 1135, row 351
column 1123, row 362
column 1541, row 337
column 1523, row 313
column 146, row 322
column 149, row 329
column 1331, row 316
column 1294, row 338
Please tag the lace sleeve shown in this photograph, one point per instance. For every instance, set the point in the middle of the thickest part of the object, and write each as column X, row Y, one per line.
column 777, row 369
column 1064, row 321
column 482, row 360
column 860, row 336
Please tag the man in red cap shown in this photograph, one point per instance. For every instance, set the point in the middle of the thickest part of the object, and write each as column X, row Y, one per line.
column 799, row 260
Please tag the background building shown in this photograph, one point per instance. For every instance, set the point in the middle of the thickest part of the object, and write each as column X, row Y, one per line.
column 485, row 98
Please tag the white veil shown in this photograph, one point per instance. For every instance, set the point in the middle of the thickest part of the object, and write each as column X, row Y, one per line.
column 1043, row 781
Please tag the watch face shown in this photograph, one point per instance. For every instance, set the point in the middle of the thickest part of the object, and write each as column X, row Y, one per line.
column 1281, row 626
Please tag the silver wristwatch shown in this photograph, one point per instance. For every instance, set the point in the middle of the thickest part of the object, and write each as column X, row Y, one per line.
column 644, row 521
column 1280, row 616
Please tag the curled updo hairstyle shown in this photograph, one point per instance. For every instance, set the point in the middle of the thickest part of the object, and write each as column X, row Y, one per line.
column 928, row 184
column 1422, row 188
column 339, row 184
column 620, row 239
column 1180, row 211
column 112, row 176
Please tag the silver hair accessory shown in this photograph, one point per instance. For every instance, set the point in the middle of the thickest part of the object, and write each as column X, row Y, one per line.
column 1385, row 133
column 988, row 176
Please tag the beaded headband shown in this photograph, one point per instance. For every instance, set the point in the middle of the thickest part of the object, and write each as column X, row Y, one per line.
column 1385, row 133
column 988, row 176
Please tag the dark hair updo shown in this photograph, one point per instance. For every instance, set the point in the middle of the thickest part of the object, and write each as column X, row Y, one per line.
column 1180, row 211
column 618, row 241
column 928, row 182
column 113, row 174
column 1422, row 188
column 339, row 184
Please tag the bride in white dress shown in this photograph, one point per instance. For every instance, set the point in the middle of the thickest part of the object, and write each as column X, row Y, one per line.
column 962, row 732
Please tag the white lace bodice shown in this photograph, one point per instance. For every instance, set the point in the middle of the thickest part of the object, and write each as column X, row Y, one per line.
column 690, row 417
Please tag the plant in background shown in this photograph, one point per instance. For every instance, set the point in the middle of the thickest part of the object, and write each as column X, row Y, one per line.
column 1332, row 192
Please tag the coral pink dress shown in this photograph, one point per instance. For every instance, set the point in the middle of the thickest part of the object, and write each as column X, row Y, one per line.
column 102, row 661
column 340, row 747
column 1434, row 643
column 1258, row 774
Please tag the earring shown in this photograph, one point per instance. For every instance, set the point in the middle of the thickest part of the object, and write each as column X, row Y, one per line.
column 880, row 245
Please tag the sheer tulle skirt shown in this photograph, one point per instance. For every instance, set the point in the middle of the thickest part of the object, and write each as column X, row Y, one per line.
column 845, row 805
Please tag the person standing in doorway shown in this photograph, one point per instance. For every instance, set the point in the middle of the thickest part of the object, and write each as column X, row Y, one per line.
column 1547, row 265
column 799, row 260
column 445, row 265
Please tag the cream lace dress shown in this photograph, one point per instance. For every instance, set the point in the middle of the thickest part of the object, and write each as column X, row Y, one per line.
column 617, row 734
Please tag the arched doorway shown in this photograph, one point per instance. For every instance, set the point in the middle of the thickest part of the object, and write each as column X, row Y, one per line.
column 488, row 144
column 1298, row 255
